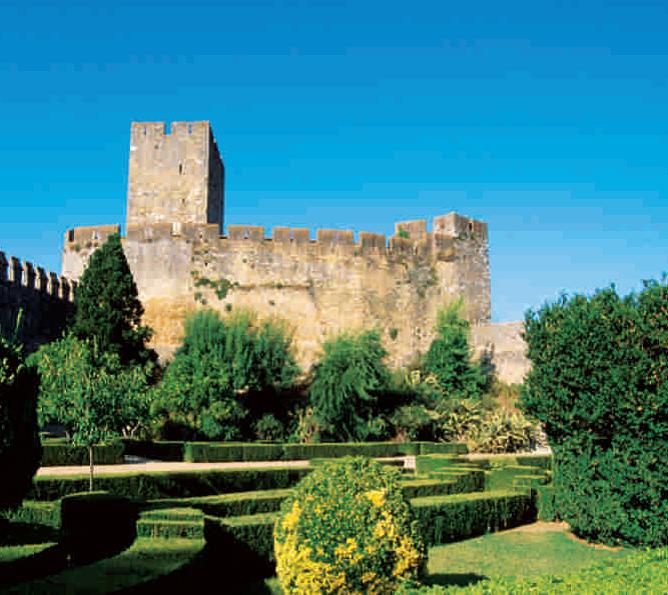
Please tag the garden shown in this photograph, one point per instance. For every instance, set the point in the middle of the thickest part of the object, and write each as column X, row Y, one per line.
column 230, row 468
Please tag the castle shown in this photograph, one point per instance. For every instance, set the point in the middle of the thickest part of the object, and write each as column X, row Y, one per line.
column 181, row 258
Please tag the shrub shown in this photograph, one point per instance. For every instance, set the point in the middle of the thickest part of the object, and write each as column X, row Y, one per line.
column 107, row 307
column 19, row 438
column 449, row 356
column 500, row 432
column 347, row 528
column 346, row 383
column 96, row 525
column 269, row 428
column 221, row 361
column 599, row 386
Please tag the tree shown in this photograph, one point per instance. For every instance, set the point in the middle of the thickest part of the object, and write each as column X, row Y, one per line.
column 599, row 385
column 449, row 356
column 222, row 363
column 90, row 393
column 107, row 308
column 346, row 384
column 20, row 449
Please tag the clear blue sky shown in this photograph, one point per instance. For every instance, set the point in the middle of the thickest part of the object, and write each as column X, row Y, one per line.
column 546, row 119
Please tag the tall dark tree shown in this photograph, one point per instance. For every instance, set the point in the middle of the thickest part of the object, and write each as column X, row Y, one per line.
column 20, row 448
column 108, row 309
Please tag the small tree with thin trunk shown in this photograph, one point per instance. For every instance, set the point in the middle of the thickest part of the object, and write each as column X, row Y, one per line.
column 90, row 393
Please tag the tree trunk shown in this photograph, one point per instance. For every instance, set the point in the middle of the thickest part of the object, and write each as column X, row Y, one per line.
column 90, row 460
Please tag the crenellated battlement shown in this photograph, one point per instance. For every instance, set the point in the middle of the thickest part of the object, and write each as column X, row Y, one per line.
column 22, row 274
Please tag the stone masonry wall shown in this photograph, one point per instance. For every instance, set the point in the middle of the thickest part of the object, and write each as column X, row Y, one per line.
column 176, row 176
column 46, row 299
column 319, row 286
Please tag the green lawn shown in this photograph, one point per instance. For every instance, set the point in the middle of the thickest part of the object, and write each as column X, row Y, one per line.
column 146, row 560
column 525, row 552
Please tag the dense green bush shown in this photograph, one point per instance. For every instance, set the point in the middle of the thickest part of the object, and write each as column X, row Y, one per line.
column 347, row 528
column 96, row 525
column 19, row 438
column 449, row 357
column 599, row 385
column 222, row 364
column 107, row 307
column 346, row 385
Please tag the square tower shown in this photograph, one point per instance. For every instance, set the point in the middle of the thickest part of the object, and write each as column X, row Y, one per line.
column 176, row 176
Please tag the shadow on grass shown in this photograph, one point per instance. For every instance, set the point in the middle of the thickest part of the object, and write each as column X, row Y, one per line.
column 454, row 579
column 17, row 533
column 39, row 565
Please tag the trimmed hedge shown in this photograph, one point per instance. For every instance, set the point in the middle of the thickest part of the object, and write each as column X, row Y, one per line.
column 547, row 509
column 62, row 454
column 444, row 519
column 218, row 452
column 228, row 505
column 244, row 544
column 172, row 484
column 515, row 477
column 440, row 462
column 162, row 450
column 37, row 513
column 455, row 483
column 171, row 522
column 96, row 525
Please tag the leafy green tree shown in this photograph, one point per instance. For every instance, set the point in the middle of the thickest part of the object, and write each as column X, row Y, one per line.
column 599, row 385
column 449, row 357
column 107, row 307
column 20, row 448
column 90, row 393
column 346, row 385
column 207, row 388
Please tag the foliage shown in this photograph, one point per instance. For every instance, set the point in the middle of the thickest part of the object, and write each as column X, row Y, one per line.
column 346, row 528
column 269, row 428
column 346, row 384
column 304, row 427
column 500, row 431
column 413, row 422
column 89, row 392
column 19, row 438
column 599, row 386
column 449, row 356
column 107, row 308
column 205, row 390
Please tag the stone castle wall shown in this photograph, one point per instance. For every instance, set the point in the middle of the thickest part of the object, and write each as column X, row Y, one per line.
column 320, row 286
column 45, row 298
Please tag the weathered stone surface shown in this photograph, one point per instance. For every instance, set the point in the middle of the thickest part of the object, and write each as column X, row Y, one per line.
column 508, row 349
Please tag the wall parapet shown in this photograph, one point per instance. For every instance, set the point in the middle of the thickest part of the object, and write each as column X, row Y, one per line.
column 18, row 273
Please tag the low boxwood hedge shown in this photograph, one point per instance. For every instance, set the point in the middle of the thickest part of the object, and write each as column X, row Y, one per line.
column 444, row 519
column 96, row 525
column 547, row 510
column 63, row 454
column 172, row 484
column 242, row 544
column 171, row 522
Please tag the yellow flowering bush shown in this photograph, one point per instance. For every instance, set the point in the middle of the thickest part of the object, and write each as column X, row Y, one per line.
column 347, row 529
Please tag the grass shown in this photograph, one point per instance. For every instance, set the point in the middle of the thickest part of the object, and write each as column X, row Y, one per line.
column 530, row 551
column 11, row 553
column 146, row 560
column 525, row 552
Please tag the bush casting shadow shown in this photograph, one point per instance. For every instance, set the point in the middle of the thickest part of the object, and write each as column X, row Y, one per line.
column 454, row 580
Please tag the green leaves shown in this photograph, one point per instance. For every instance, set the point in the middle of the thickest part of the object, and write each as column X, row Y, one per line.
column 599, row 385
column 346, row 382
column 204, row 390
column 107, row 307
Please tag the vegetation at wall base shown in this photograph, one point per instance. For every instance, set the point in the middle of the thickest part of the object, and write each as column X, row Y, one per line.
column 19, row 438
column 107, row 307
column 599, row 386
column 225, row 369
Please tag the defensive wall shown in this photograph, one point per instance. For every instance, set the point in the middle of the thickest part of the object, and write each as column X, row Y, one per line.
column 46, row 299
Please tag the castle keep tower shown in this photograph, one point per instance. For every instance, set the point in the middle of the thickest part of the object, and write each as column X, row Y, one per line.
column 174, row 176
